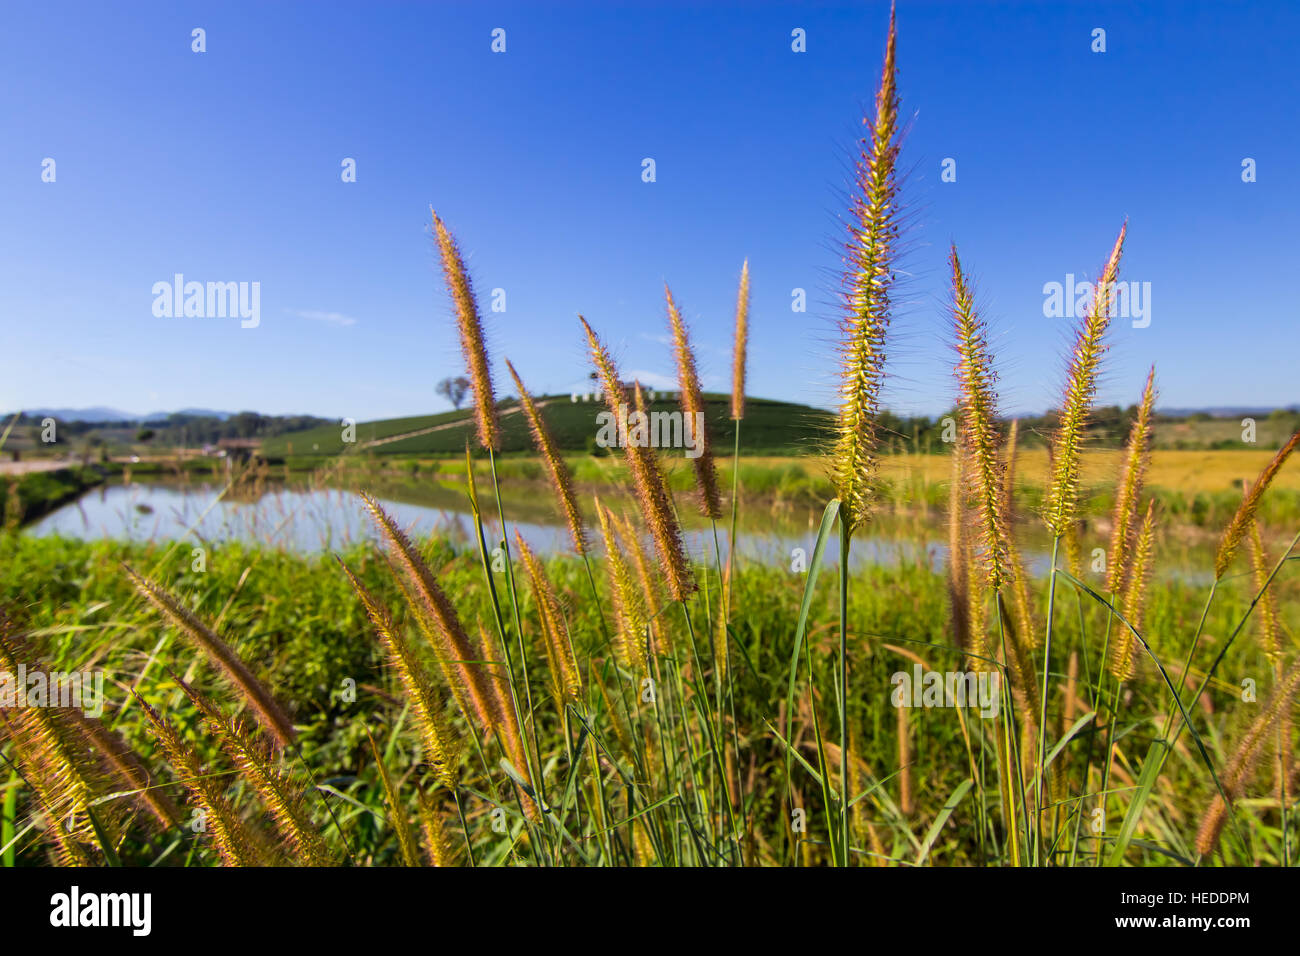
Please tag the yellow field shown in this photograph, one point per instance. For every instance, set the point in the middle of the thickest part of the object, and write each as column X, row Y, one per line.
column 1189, row 471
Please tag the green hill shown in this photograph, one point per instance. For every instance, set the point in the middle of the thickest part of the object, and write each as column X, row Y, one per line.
column 770, row 428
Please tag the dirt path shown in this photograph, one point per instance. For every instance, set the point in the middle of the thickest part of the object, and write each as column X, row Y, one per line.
column 37, row 464
column 376, row 442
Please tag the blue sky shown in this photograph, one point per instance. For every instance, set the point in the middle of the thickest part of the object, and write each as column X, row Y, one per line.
column 225, row 166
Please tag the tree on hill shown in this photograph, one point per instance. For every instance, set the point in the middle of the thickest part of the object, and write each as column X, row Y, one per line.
column 453, row 389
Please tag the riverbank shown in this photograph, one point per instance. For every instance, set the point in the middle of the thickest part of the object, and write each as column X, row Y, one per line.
column 34, row 493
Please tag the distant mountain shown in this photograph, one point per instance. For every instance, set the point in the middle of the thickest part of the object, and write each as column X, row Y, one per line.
column 1224, row 411
column 101, row 413
column 195, row 412
column 98, row 413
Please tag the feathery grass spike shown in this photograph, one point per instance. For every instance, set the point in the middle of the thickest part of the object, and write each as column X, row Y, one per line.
column 1123, row 660
column 471, row 335
column 396, row 810
column 651, row 493
column 1246, row 512
column 556, row 469
column 692, row 402
column 440, row 751
column 282, row 797
column 1137, row 456
column 978, row 400
column 265, row 707
column 1062, row 497
column 867, row 284
column 438, row 620
column 231, row 837
column 567, row 684
column 742, row 343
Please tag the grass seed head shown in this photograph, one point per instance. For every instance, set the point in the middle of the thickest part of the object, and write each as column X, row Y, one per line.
column 742, row 342
column 1137, row 456
column 1232, row 535
column 868, row 279
column 556, row 469
column 692, row 402
column 651, row 492
column 1062, row 497
column 471, row 336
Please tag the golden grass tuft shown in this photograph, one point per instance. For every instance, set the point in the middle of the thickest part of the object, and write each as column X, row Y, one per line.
column 1246, row 512
column 1062, row 499
column 556, row 469
column 263, row 704
column 439, row 748
column 978, row 403
column 406, row 844
column 868, row 279
column 692, row 403
column 460, row 660
column 1241, row 767
column 629, row 611
column 1123, row 662
column 652, row 495
column 958, row 584
column 471, row 335
column 1124, row 522
column 1025, row 624
column 235, row 842
column 566, row 682
column 282, row 797
column 738, row 353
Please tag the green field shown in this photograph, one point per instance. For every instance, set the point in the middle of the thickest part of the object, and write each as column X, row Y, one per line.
column 771, row 427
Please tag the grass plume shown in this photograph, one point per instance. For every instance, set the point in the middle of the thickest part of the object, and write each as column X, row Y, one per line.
column 1232, row 535
column 1062, row 498
column 652, row 495
column 692, row 402
column 868, row 279
column 263, row 704
column 439, row 748
column 556, row 469
column 738, row 352
column 471, row 335
column 1124, row 522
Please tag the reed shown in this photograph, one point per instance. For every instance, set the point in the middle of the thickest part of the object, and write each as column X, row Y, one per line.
column 1245, row 758
column 233, row 839
column 472, row 341
column 1062, row 496
column 648, row 483
column 556, row 469
column 440, row 749
column 566, row 682
column 868, row 280
column 692, row 404
column 1124, row 521
column 1232, row 535
column 260, row 701
column 740, row 348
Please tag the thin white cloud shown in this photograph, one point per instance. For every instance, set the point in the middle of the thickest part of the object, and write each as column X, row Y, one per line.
column 652, row 379
column 329, row 318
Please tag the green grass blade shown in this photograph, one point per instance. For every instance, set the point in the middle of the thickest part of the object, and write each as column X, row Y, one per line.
column 933, row 833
